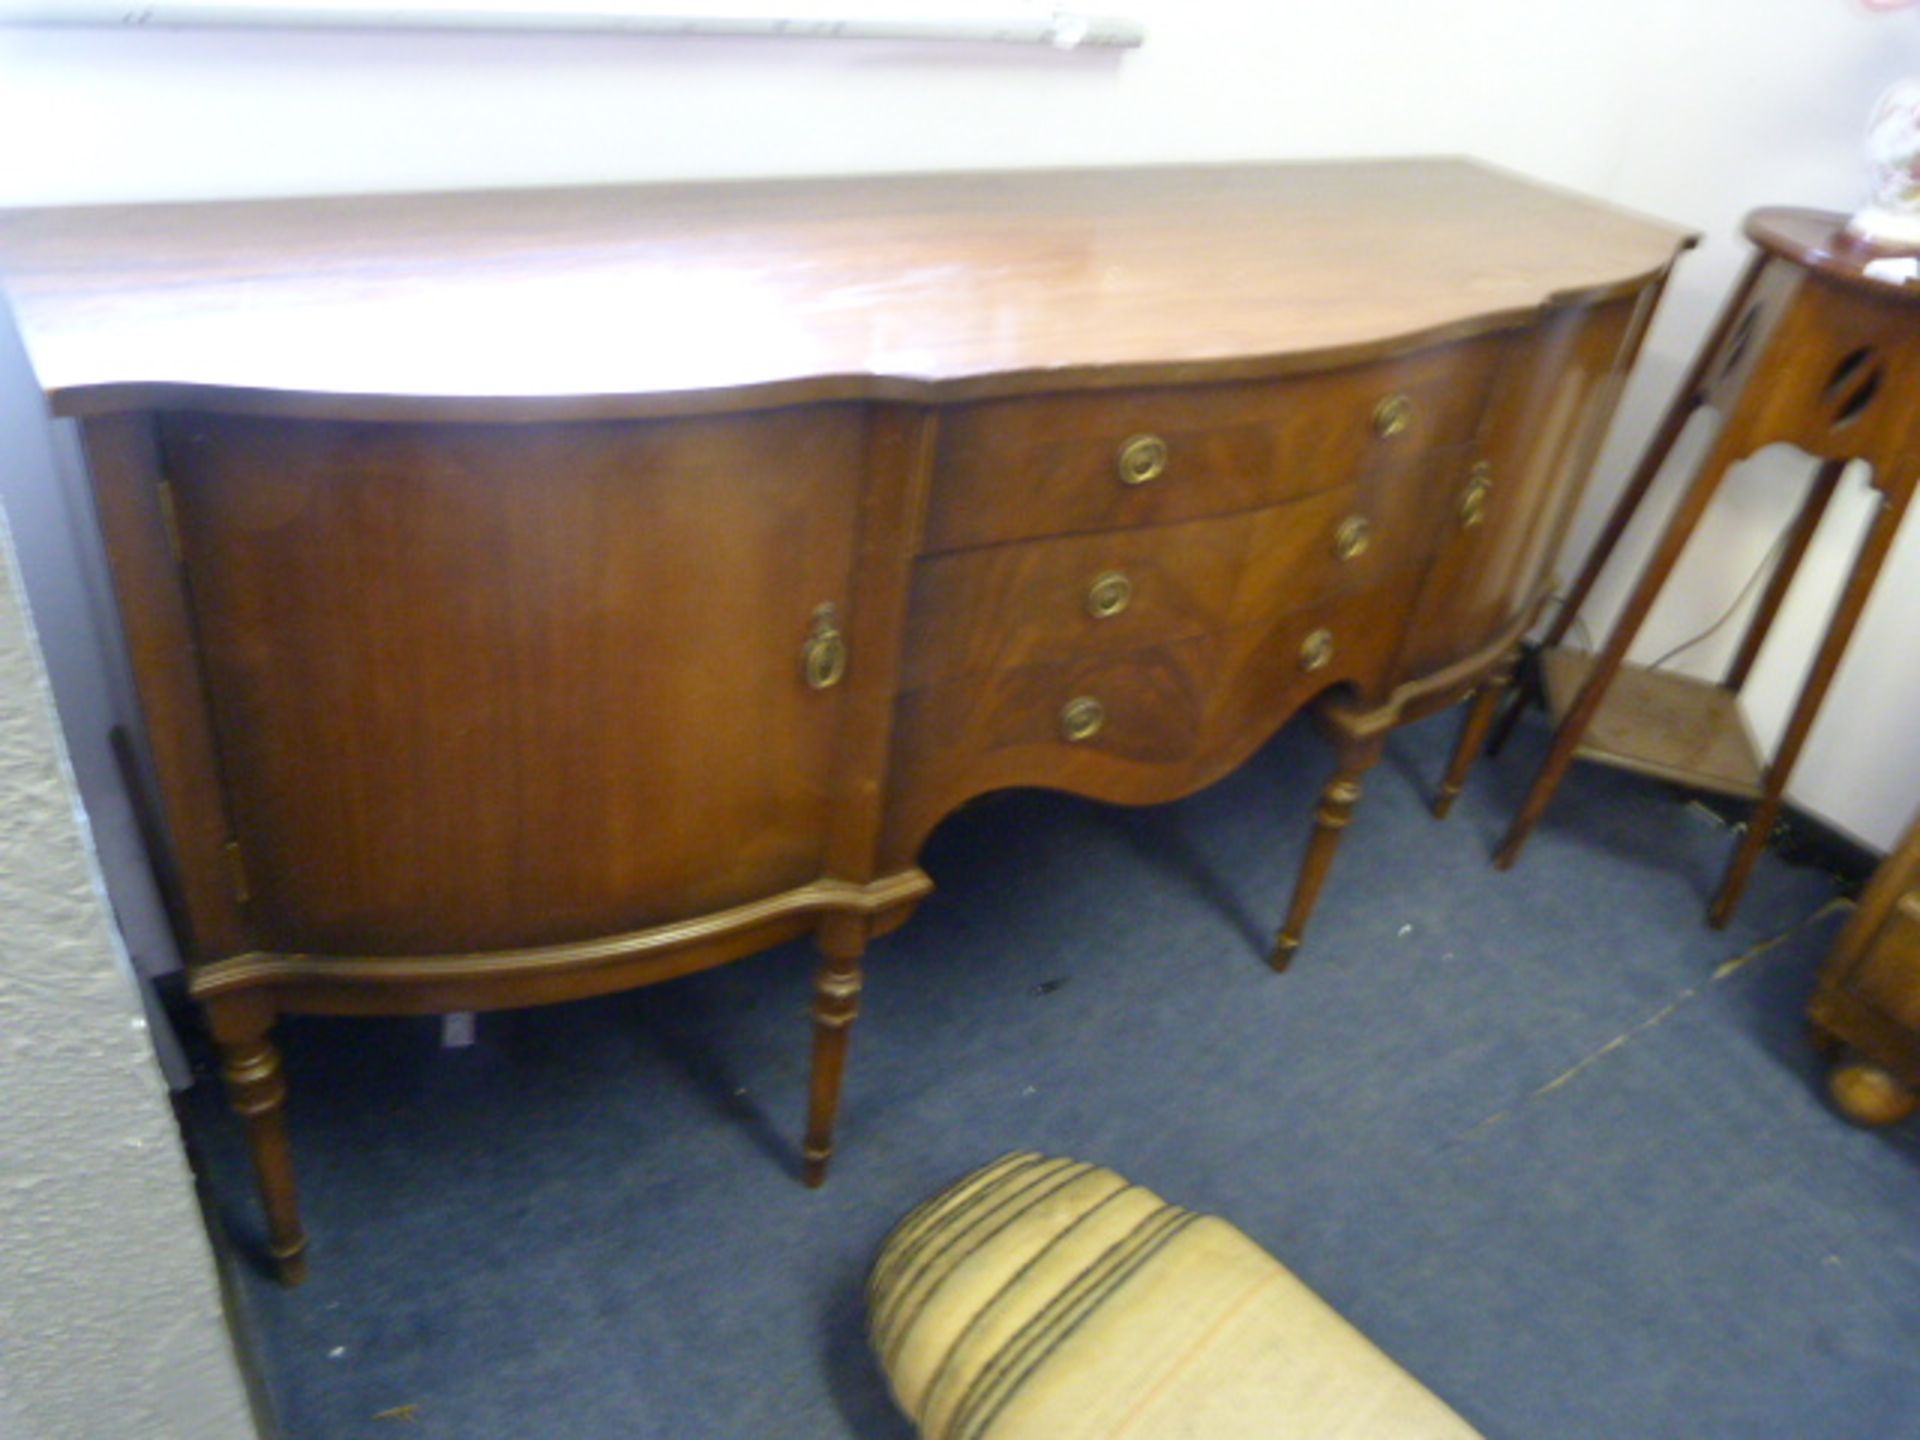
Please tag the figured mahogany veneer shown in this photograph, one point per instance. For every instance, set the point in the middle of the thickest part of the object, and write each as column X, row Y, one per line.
column 533, row 595
column 1014, row 469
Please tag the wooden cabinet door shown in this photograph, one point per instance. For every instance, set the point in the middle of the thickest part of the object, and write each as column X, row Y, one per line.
column 486, row 686
column 1512, row 498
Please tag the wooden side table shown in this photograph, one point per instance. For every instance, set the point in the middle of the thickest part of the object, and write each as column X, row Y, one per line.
column 1819, row 347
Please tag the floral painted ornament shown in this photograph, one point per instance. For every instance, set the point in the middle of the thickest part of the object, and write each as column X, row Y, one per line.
column 1891, row 216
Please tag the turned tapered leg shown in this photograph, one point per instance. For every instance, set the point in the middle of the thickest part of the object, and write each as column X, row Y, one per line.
column 1526, row 691
column 1473, row 734
column 1833, row 646
column 1691, row 396
column 836, row 1004
column 1330, row 821
column 257, row 1091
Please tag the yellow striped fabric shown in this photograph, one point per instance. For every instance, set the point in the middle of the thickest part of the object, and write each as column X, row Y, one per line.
column 1045, row 1299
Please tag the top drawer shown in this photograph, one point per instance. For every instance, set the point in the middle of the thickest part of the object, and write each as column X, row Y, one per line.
column 1056, row 464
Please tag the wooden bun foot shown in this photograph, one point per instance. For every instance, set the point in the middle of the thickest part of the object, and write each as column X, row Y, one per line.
column 1868, row 1095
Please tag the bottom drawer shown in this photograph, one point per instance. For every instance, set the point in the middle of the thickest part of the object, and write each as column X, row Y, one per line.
column 1140, row 727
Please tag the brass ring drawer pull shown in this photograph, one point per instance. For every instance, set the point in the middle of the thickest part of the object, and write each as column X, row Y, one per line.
column 1110, row 593
column 1392, row 415
column 1473, row 501
column 1353, row 537
column 1142, row 458
column 824, row 658
column 1082, row 718
column 1316, row 651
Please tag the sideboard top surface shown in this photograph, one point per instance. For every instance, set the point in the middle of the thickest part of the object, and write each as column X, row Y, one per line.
column 606, row 299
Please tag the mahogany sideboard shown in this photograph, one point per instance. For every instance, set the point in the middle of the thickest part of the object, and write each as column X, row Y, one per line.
column 532, row 595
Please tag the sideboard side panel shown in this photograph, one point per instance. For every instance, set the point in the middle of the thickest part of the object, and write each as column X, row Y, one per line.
column 132, row 503
column 1552, row 401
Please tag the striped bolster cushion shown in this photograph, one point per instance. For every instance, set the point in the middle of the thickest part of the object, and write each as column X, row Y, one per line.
column 1049, row 1299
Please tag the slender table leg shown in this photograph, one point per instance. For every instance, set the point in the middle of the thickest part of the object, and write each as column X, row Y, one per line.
column 257, row 1091
column 836, row 1004
column 1521, row 695
column 1688, row 401
column 1473, row 733
column 1798, row 538
column 1691, row 395
column 1833, row 646
column 1727, row 448
column 1342, row 793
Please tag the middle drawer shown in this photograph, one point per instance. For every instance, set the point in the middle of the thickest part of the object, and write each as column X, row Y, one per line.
column 992, row 609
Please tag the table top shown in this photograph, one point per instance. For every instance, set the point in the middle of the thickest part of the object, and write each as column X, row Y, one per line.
column 931, row 286
column 1819, row 240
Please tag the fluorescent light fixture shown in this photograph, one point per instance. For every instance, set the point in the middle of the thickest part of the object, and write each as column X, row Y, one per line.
column 1005, row 24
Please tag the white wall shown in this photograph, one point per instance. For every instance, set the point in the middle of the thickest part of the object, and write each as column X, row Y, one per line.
column 1696, row 112
column 109, row 1309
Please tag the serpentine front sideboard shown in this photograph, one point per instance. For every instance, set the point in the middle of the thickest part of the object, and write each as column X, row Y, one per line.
column 532, row 595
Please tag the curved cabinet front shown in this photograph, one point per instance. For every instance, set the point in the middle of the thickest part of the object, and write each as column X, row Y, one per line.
column 488, row 687
column 1500, row 519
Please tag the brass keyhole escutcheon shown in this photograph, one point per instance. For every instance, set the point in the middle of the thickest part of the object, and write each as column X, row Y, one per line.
column 1316, row 651
column 1392, row 415
column 1353, row 537
column 1082, row 718
column 1110, row 593
column 824, row 657
column 1473, row 500
column 1142, row 458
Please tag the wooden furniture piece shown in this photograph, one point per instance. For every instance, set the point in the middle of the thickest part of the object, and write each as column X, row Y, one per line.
column 534, row 595
column 1815, row 349
column 1868, row 998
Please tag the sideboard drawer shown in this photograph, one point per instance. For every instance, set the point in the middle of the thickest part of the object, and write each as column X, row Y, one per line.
column 1134, row 727
column 1004, row 606
column 1146, row 706
column 1057, row 464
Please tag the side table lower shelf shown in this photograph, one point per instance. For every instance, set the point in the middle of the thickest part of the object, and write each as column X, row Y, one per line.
column 1653, row 722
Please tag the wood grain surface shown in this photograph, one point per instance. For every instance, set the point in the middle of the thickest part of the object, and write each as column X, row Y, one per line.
column 489, row 687
column 944, row 286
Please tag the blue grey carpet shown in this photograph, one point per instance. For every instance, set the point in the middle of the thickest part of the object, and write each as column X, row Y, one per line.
column 1532, row 1132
